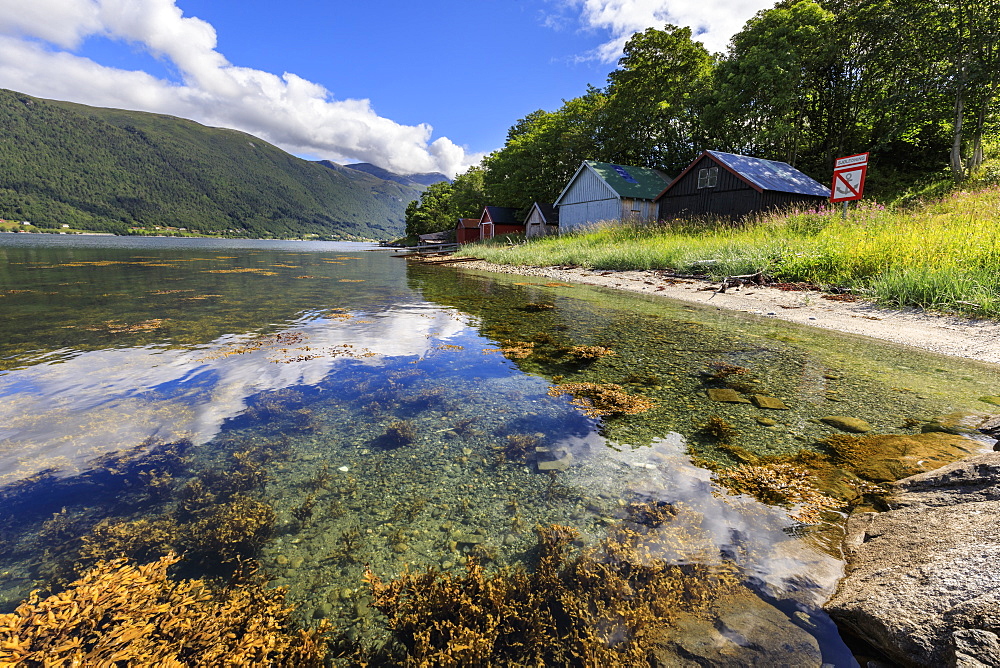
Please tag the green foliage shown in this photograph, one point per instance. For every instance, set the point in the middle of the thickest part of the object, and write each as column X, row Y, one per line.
column 806, row 81
column 651, row 117
column 775, row 94
column 126, row 172
column 542, row 152
column 443, row 203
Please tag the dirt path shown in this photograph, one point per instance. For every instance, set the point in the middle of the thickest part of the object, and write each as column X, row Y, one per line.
column 948, row 335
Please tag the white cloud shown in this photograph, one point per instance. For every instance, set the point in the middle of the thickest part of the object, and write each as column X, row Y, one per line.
column 713, row 22
column 36, row 57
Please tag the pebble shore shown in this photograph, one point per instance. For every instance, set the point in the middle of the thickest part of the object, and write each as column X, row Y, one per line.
column 957, row 336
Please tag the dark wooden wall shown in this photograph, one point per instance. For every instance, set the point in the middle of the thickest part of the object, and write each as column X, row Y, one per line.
column 731, row 197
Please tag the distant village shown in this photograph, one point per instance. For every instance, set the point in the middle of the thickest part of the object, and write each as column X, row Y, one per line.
column 715, row 184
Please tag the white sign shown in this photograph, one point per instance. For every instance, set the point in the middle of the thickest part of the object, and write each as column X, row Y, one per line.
column 851, row 161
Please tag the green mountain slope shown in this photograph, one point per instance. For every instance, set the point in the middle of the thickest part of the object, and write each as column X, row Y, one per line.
column 114, row 170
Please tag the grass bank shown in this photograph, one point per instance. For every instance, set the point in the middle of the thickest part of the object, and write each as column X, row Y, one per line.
column 944, row 255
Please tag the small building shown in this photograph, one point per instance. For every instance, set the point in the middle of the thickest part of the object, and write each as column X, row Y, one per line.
column 726, row 185
column 467, row 230
column 604, row 191
column 499, row 220
column 542, row 220
column 434, row 239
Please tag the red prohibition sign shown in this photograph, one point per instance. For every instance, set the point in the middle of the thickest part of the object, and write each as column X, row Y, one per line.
column 848, row 183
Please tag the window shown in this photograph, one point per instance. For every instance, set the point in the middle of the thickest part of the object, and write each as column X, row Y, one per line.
column 708, row 178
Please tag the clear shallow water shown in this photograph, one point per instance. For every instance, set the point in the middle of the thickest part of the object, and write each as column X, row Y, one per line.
column 147, row 384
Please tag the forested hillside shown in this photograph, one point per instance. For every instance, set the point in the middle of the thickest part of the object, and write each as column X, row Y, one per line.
column 116, row 171
column 914, row 82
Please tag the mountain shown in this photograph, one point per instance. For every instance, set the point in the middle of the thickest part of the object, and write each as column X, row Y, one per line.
column 420, row 180
column 113, row 170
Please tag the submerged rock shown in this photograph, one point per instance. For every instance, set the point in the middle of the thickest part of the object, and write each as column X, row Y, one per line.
column 726, row 395
column 922, row 583
column 954, row 423
column 560, row 464
column 762, row 401
column 889, row 457
column 741, row 630
column 845, row 423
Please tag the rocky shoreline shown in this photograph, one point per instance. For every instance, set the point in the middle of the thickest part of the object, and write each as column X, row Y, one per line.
column 921, row 582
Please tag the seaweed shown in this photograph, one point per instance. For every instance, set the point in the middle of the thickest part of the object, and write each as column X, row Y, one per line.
column 607, row 605
column 600, row 399
column 119, row 613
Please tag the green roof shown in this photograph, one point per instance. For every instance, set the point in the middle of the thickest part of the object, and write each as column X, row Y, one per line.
column 628, row 181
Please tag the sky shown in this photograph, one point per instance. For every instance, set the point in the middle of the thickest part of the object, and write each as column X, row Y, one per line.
column 427, row 86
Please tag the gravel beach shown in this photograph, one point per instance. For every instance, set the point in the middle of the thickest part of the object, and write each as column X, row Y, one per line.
column 945, row 334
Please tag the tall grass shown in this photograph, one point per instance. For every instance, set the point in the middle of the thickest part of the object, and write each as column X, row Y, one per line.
column 942, row 255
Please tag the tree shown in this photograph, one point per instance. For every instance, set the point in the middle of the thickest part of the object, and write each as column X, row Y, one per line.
column 651, row 116
column 542, row 151
column 933, row 70
column 443, row 203
column 434, row 212
column 780, row 91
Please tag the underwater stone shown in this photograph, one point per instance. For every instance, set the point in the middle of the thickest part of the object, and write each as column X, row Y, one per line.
column 726, row 395
column 560, row 464
column 761, row 401
column 845, row 423
column 959, row 424
column 767, row 422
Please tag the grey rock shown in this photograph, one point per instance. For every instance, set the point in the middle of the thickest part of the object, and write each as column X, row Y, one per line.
column 922, row 583
column 975, row 648
column 990, row 426
column 973, row 479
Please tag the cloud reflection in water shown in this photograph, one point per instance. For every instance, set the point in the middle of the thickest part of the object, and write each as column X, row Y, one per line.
column 59, row 416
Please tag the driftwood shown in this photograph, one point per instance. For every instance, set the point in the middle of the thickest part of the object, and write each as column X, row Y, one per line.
column 760, row 278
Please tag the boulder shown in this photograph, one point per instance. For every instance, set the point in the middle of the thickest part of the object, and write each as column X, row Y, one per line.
column 973, row 479
column 922, row 583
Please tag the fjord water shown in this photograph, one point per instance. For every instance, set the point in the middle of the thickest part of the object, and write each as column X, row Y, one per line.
column 395, row 416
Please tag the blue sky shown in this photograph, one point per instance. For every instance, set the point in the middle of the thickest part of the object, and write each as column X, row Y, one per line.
column 429, row 86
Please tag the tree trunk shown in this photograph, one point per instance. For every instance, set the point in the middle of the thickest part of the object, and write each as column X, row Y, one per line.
column 957, row 164
column 976, row 159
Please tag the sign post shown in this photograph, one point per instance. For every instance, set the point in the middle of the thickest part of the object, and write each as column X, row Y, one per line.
column 849, row 179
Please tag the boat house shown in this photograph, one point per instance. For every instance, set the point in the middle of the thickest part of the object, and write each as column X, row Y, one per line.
column 603, row 191
column 467, row 230
column 498, row 220
column 542, row 220
column 726, row 185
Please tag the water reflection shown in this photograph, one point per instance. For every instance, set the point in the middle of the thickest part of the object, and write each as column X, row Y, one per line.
column 403, row 419
column 57, row 417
